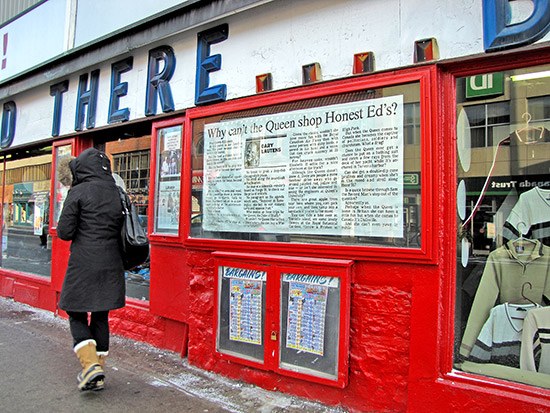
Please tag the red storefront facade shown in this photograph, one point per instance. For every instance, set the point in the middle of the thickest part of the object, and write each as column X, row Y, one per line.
column 393, row 298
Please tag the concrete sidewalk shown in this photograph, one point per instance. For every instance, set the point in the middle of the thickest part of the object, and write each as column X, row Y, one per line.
column 38, row 374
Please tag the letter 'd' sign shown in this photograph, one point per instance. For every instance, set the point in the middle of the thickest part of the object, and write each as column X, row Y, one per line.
column 498, row 31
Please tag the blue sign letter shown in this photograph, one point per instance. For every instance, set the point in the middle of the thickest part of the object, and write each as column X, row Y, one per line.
column 57, row 91
column 207, row 64
column 499, row 34
column 86, row 97
column 8, row 124
column 159, row 81
column 119, row 89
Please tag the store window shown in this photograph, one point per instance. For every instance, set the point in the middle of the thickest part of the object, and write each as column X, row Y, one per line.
column 26, row 244
column 503, row 206
column 131, row 169
column 62, row 152
column 168, row 180
column 340, row 170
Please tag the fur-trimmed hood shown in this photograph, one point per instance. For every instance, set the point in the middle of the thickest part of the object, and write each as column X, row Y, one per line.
column 90, row 165
column 64, row 174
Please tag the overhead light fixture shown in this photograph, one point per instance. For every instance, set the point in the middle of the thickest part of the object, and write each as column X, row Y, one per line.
column 529, row 76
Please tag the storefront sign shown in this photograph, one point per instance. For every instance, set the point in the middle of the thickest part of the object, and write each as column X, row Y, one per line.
column 7, row 130
column 411, row 179
column 500, row 32
column 503, row 185
column 22, row 192
column 335, row 170
column 485, row 85
column 160, row 69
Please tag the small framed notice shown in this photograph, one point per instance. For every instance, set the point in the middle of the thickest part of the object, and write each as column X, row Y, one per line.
column 310, row 309
column 241, row 310
column 168, row 180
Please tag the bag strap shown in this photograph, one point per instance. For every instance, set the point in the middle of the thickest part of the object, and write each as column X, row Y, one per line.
column 124, row 200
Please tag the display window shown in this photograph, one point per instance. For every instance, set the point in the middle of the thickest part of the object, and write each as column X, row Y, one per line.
column 133, row 170
column 26, row 184
column 62, row 151
column 285, row 314
column 131, row 165
column 168, row 155
column 503, row 213
column 334, row 169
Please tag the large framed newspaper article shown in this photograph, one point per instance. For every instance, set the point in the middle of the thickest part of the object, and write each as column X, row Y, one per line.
column 342, row 169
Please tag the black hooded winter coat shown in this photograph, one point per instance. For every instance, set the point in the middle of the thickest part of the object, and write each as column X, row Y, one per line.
column 92, row 219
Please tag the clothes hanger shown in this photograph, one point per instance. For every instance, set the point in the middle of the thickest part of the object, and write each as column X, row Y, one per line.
column 518, row 308
column 523, row 292
column 519, row 245
column 521, row 238
column 528, row 130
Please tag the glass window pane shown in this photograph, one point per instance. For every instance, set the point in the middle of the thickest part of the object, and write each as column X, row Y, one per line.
column 61, row 188
column 539, row 107
column 241, row 313
column 328, row 171
column 168, row 183
column 26, row 244
column 310, row 323
column 498, row 113
column 503, row 205
column 135, row 174
column 478, row 139
column 144, row 161
column 476, row 115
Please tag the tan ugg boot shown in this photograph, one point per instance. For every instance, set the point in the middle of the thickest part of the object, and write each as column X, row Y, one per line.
column 100, row 383
column 91, row 369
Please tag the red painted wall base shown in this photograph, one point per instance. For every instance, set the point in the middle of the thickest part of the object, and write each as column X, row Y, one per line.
column 133, row 321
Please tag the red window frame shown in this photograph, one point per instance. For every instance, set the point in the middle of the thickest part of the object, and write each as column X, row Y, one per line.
column 427, row 253
column 275, row 266
column 160, row 237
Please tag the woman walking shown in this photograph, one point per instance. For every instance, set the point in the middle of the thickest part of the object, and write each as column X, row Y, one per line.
column 94, row 282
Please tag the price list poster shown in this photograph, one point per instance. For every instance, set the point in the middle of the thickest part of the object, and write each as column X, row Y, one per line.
column 245, row 317
column 306, row 317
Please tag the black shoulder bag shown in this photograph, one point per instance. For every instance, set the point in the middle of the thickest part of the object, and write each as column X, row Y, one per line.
column 135, row 244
